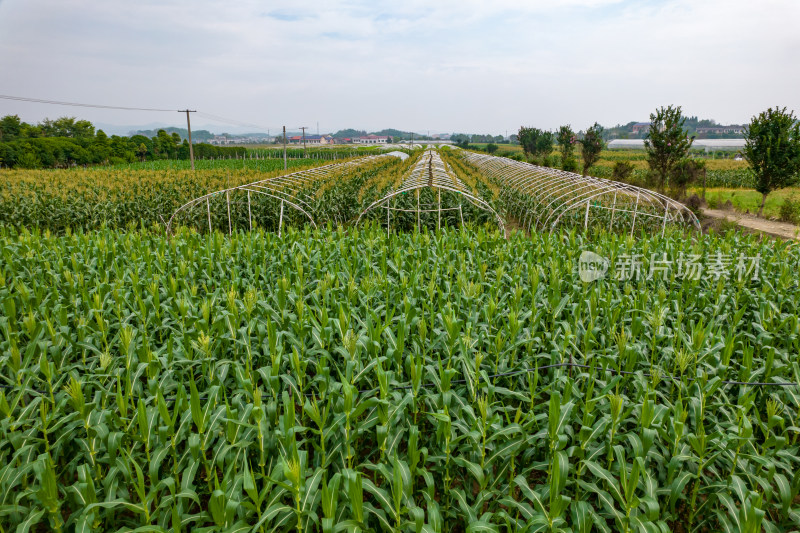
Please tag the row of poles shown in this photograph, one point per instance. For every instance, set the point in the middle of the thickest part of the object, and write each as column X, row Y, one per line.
column 191, row 149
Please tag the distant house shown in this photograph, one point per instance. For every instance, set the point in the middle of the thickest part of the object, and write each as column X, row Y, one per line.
column 640, row 127
column 319, row 139
column 372, row 139
column 220, row 139
column 312, row 139
column 721, row 130
column 342, row 140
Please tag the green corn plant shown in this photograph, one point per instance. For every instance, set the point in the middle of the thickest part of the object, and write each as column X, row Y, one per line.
column 48, row 493
column 170, row 380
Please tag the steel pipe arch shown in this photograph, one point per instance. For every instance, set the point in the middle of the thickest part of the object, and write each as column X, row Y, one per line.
column 546, row 196
column 290, row 189
column 431, row 171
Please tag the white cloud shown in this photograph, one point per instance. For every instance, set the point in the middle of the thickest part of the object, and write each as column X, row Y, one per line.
column 450, row 65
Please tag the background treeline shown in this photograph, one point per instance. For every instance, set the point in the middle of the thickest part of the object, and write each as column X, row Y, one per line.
column 68, row 142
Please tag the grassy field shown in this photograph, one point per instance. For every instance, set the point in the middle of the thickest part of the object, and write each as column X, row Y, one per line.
column 748, row 200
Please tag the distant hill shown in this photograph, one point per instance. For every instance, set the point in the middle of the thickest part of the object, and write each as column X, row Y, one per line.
column 701, row 128
column 397, row 134
column 349, row 133
column 197, row 135
column 390, row 132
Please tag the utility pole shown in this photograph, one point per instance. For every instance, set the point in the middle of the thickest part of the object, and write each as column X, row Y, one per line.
column 284, row 148
column 304, row 128
column 412, row 139
column 189, row 127
column 318, row 127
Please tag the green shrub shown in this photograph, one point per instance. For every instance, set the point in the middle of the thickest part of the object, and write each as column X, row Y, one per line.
column 622, row 170
column 790, row 210
column 725, row 226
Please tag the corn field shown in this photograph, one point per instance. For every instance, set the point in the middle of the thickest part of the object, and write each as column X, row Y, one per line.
column 743, row 178
column 254, row 159
column 350, row 380
column 55, row 200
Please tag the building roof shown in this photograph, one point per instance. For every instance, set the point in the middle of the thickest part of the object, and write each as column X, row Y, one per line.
column 718, row 127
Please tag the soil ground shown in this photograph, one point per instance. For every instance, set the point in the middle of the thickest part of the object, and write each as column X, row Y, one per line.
column 783, row 230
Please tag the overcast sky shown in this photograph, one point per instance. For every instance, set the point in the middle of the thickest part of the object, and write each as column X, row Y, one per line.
column 443, row 66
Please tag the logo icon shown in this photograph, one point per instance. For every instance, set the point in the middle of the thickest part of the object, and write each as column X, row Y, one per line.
column 592, row 267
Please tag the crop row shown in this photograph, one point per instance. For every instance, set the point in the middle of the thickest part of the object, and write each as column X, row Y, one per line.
column 120, row 198
column 257, row 159
column 350, row 380
column 87, row 199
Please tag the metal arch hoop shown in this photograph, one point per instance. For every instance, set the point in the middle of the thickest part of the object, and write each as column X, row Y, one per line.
column 440, row 177
column 551, row 193
column 288, row 188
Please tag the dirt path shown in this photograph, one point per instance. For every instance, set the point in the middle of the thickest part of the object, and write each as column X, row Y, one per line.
column 778, row 229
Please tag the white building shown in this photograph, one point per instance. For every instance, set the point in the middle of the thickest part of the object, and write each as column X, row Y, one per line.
column 372, row 139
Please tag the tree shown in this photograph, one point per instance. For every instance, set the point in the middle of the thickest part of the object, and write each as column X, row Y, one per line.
column 622, row 171
column 101, row 148
column 566, row 142
column 527, row 138
column 28, row 159
column 536, row 143
column 684, row 172
column 164, row 145
column 67, row 127
column 772, row 147
column 82, row 129
column 666, row 142
column 591, row 146
column 491, row 148
column 123, row 150
column 142, row 151
column 10, row 127
column 183, row 150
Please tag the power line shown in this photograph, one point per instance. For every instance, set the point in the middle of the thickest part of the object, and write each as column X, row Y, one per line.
column 76, row 104
column 231, row 121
